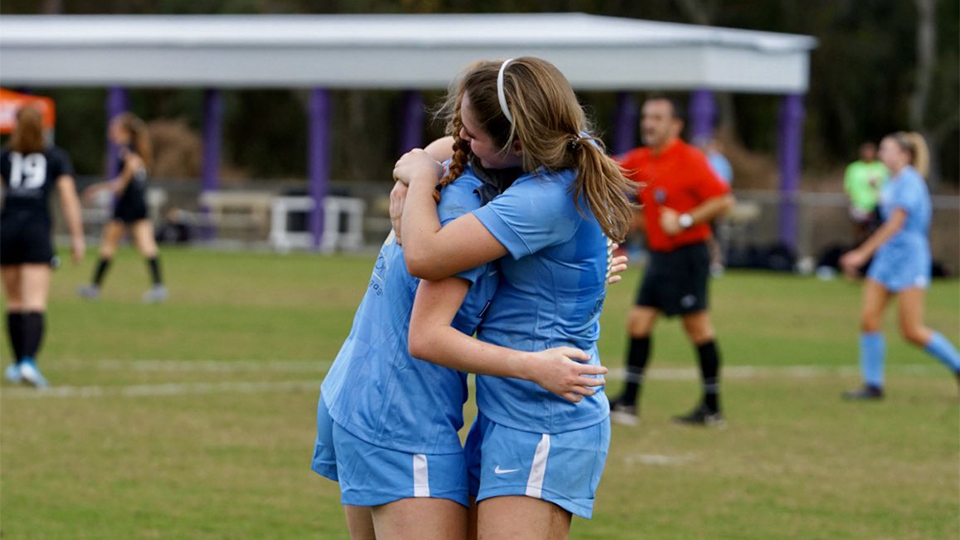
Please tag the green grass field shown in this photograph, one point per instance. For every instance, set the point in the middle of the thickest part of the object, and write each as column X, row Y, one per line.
column 195, row 419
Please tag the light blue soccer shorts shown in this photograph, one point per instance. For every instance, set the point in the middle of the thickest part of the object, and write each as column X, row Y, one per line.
column 900, row 269
column 370, row 475
column 561, row 468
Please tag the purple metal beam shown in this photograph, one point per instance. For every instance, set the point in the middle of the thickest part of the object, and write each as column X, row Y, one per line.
column 703, row 112
column 318, row 156
column 411, row 121
column 791, row 144
column 212, row 136
column 626, row 120
column 117, row 103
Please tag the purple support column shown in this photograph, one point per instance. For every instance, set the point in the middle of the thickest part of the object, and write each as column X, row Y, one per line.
column 318, row 156
column 703, row 112
column 212, row 136
column 791, row 144
column 625, row 123
column 411, row 121
column 117, row 103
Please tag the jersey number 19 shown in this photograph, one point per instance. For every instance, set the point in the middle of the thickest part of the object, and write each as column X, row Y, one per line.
column 27, row 172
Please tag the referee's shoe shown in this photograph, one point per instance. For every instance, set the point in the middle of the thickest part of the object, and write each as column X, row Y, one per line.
column 701, row 416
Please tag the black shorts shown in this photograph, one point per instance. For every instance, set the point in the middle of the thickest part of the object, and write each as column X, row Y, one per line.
column 130, row 211
column 675, row 282
column 25, row 240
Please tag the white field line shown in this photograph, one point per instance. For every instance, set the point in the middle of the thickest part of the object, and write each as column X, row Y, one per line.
column 177, row 389
column 209, row 366
column 319, row 367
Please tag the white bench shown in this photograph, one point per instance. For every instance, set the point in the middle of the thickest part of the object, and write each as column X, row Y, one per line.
column 282, row 239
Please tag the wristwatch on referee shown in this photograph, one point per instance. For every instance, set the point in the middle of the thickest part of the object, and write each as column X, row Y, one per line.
column 685, row 220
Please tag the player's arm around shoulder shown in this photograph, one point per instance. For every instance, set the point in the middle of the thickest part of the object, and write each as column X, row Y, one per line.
column 432, row 338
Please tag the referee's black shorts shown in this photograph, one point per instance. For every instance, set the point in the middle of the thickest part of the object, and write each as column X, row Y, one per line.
column 25, row 239
column 675, row 282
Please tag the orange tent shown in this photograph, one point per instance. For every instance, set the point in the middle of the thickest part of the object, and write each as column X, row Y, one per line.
column 11, row 101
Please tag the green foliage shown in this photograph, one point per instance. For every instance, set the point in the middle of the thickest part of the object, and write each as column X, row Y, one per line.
column 862, row 75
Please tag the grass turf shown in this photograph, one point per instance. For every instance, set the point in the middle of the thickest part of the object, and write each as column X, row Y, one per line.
column 221, row 457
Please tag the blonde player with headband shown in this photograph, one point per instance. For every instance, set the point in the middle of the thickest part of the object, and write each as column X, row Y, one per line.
column 901, row 264
column 387, row 422
column 534, row 458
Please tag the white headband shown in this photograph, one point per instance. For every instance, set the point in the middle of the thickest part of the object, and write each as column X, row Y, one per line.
column 500, row 94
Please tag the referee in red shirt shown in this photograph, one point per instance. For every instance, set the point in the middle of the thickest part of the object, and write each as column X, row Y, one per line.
column 680, row 195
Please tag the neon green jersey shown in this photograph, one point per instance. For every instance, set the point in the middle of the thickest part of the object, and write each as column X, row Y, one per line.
column 863, row 181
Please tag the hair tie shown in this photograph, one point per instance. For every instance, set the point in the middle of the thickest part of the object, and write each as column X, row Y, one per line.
column 500, row 93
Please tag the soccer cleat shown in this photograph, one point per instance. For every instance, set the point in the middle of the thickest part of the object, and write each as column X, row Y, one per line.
column 701, row 416
column 31, row 375
column 12, row 374
column 867, row 393
column 89, row 292
column 156, row 294
column 625, row 415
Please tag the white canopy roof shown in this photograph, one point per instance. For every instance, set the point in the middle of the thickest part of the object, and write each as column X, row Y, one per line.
column 391, row 51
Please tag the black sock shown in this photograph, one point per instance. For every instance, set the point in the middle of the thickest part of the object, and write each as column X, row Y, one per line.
column 637, row 357
column 15, row 333
column 33, row 327
column 710, row 372
column 102, row 267
column 154, row 264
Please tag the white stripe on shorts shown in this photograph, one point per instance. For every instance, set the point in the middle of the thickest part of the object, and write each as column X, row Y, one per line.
column 421, row 481
column 539, row 468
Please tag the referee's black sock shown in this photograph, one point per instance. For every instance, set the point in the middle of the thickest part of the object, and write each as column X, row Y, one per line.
column 33, row 327
column 639, row 353
column 154, row 264
column 102, row 265
column 15, row 333
column 710, row 372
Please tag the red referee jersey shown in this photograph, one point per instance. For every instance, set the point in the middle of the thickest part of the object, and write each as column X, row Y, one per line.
column 679, row 178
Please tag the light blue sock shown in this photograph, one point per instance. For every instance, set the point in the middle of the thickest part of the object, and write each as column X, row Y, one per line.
column 944, row 351
column 872, row 354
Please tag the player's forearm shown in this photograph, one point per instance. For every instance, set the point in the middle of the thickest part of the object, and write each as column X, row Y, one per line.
column 882, row 234
column 420, row 224
column 119, row 184
column 440, row 149
column 70, row 203
column 711, row 208
column 448, row 347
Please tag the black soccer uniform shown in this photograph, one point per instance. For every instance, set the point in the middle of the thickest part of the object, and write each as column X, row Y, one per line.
column 25, row 223
column 131, row 205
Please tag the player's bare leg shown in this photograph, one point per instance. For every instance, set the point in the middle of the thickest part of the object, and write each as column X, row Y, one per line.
column 360, row 522
column 142, row 232
column 421, row 517
column 872, row 347
column 112, row 234
column 522, row 517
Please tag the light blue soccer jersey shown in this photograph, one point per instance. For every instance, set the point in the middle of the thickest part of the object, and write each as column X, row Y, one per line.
column 375, row 389
column 904, row 260
column 552, row 288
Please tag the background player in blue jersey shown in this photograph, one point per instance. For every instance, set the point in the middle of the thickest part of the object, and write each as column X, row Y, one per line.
column 901, row 263
column 29, row 169
column 535, row 458
column 130, row 211
column 387, row 423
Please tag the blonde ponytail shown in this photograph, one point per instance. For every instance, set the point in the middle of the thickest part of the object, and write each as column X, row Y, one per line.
column 919, row 153
column 601, row 182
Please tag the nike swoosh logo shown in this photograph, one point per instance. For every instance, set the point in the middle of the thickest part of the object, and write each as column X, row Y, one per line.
column 498, row 470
